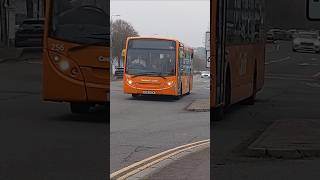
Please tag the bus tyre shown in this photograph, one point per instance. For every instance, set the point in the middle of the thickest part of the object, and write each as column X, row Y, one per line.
column 135, row 95
column 217, row 114
column 79, row 108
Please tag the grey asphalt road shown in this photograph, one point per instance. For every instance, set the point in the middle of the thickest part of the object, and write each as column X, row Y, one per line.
column 43, row 140
column 291, row 91
column 146, row 126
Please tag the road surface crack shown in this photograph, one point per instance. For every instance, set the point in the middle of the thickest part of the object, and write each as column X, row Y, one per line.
column 137, row 150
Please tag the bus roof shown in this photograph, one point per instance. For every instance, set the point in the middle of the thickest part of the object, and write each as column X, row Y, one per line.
column 160, row 38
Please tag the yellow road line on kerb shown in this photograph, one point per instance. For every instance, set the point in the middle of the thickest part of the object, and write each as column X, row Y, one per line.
column 144, row 164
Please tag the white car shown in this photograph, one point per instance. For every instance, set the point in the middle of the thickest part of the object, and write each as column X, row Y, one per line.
column 306, row 41
column 205, row 74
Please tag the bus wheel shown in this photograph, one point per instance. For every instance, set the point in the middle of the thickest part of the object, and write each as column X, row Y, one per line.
column 135, row 95
column 80, row 107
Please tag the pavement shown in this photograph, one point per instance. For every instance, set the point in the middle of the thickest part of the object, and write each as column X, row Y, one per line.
column 199, row 105
column 15, row 54
column 288, row 139
column 10, row 53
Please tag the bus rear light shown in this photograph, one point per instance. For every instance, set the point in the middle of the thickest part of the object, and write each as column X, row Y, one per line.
column 66, row 66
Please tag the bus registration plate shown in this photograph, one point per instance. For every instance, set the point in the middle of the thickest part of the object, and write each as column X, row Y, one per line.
column 149, row 92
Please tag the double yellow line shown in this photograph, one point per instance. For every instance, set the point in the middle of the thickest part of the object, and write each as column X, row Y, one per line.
column 146, row 163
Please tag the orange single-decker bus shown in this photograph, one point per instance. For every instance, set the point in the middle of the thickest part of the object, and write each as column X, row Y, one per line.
column 157, row 66
column 237, row 51
column 76, row 53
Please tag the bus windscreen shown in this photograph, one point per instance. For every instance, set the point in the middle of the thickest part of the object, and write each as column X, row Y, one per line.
column 151, row 57
column 80, row 21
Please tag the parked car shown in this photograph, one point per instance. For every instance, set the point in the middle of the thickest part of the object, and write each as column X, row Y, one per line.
column 306, row 41
column 30, row 33
column 270, row 37
column 291, row 33
column 205, row 74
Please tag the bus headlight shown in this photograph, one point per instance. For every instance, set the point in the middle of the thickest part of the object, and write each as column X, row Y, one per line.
column 56, row 58
column 66, row 66
column 170, row 83
column 130, row 82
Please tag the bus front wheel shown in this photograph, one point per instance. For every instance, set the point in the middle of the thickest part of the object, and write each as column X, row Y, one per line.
column 134, row 95
column 79, row 108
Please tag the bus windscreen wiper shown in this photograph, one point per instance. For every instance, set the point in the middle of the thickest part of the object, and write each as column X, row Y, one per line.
column 159, row 74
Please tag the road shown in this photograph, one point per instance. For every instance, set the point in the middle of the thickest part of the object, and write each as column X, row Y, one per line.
column 42, row 140
column 292, row 90
column 140, row 128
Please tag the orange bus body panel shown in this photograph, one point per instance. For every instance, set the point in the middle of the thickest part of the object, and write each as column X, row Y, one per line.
column 93, row 85
column 241, row 68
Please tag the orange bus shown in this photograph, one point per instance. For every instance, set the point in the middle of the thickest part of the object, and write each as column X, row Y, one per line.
column 237, row 46
column 157, row 66
column 76, row 53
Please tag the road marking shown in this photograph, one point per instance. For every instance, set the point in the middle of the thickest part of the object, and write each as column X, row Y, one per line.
column 148, row 162
column 32, row 62
column 276, row 61
column 289, row 78
column 316, row 85
column 308, row 64
column 316, row 75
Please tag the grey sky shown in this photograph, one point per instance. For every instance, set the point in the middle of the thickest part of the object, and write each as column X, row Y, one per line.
column 186, row 20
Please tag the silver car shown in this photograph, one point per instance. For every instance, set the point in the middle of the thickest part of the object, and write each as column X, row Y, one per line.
column 205, row 74
column 306, row 41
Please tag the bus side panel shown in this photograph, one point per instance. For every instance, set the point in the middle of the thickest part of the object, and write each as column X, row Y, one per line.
column 58, row 88
column 241, row 60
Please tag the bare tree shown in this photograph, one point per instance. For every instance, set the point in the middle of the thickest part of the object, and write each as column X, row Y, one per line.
column 199, row 63
column 120, row 31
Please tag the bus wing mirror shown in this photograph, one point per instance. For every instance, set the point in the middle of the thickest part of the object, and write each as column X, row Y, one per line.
column 313, row 10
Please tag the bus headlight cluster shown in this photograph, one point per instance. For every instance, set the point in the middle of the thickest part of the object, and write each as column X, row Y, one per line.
column 130, row 82
column 66, row 66
column 170, row 83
